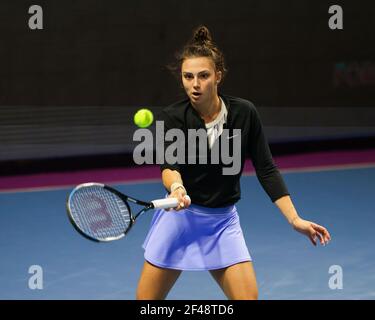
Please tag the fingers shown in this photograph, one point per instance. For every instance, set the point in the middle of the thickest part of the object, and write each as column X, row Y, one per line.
column 187, row 201
column 327, row 235
column 322, row 242
column 312, row 235
column 183, row 201
column 322, row 233
column 313, row 240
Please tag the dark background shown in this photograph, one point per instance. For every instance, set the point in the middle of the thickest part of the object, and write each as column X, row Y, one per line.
column 281, row 55
column 96, row 52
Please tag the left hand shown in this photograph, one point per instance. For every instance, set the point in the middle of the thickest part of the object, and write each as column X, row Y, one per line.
column 312, row 231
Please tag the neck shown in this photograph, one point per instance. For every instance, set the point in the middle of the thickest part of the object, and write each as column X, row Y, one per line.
column 208, row 112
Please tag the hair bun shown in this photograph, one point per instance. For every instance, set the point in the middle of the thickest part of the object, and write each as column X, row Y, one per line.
column 202, row 35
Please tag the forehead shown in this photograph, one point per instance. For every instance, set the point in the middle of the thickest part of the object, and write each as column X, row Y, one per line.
column 197, row 64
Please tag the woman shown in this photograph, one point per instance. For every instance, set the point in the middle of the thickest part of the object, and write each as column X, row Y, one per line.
column 206, row 235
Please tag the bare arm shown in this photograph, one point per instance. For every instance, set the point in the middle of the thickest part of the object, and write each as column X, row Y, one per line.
column 169, row 177
column 308, row 228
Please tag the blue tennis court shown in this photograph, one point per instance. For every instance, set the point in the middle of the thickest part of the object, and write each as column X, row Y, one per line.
column 35, row 231
column 299, row 78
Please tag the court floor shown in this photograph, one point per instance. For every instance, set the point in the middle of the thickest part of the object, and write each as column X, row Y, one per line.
column 34, row 230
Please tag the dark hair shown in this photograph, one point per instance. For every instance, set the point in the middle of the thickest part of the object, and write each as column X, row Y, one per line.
column 200, row 45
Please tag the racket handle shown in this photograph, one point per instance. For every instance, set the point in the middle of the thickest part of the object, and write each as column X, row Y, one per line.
column 166, row 203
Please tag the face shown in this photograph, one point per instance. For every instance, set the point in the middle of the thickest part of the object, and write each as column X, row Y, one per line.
column 200, row 79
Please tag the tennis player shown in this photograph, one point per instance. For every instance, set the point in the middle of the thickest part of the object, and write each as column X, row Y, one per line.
column 206, row 234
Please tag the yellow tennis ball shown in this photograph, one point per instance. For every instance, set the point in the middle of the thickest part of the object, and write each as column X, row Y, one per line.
column 143, row 118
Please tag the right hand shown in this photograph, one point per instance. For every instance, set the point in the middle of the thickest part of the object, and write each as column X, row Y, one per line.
column 183, row 202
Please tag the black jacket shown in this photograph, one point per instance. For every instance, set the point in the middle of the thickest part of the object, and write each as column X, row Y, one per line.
column 205, row 183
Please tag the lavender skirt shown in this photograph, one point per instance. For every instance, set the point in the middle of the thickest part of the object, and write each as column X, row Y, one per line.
column 197, row 238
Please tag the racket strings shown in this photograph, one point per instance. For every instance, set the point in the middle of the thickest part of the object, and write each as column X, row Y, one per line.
column 99, row 213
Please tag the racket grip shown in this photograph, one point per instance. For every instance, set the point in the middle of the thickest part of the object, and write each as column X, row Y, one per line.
column 166, row 203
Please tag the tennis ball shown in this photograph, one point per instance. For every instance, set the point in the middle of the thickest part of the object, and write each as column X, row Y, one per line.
column 143, row 118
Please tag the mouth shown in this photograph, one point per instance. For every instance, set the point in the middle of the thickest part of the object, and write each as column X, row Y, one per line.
column 196, row 94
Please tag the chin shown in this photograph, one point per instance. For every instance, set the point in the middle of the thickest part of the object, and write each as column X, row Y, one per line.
column 198, row 101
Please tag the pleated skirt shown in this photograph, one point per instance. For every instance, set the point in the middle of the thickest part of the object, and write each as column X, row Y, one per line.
column 196, row 238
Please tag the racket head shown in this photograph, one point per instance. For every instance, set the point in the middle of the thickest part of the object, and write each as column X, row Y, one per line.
column 98, row 212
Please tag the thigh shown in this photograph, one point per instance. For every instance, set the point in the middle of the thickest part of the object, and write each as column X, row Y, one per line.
column 238, row 281
column 155, row 282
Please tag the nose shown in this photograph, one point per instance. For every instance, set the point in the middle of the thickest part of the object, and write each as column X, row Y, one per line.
column 196, row 83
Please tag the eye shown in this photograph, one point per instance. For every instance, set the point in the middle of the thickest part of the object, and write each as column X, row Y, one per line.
column 188, row 76
column 205, row 75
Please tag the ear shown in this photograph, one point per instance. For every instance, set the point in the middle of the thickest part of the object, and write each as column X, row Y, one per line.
column 219, row 75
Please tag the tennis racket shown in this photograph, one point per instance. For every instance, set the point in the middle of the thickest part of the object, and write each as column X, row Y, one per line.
column 101, row 213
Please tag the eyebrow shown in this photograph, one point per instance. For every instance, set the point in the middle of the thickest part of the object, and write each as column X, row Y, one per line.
column 200, row 72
